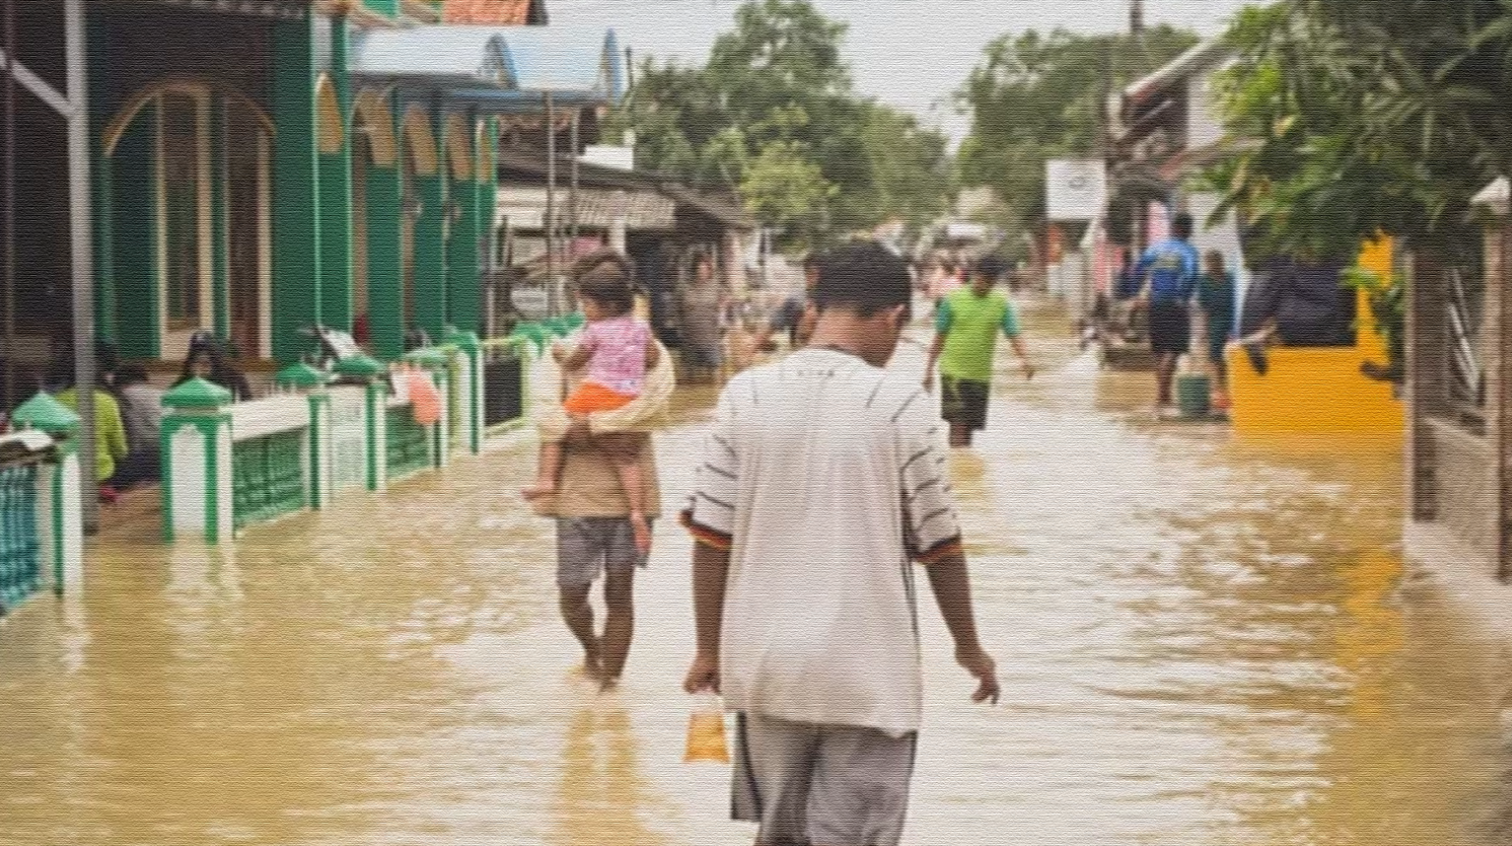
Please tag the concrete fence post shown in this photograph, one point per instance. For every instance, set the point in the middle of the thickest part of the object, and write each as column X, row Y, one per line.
column 470, row 387
column 321, row 480
column 1426, row 352
column 369, row 372
column 48, row 425
column 197, row 469
column 1496, row 202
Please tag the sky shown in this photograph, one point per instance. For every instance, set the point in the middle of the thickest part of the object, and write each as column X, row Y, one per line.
column 908, row 53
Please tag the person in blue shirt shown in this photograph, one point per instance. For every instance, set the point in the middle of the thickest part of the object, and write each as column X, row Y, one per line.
column 1168, row 272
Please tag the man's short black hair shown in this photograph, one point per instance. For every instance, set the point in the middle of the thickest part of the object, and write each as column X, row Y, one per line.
column 1182, row 226
column 865, row 276
column 993, row 267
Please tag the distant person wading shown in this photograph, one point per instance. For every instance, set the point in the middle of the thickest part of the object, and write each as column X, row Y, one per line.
column 967, row 324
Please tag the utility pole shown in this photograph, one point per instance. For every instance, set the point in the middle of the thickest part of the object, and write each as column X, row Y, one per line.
column 1136, row 20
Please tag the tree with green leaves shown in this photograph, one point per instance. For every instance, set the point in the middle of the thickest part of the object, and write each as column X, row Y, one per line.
column 1366, row 117
column 1038, row 96
column 773, row 115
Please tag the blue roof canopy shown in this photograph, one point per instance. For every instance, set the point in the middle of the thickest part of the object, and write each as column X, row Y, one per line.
column 433, row 56
column 497, row 69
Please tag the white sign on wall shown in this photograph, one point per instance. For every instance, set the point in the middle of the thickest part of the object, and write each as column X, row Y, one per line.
column 1075, row 188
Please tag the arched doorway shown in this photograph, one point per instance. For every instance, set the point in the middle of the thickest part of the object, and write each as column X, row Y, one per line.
column 373, row 146
column 418, row 159
column 189, row 167
column 377, row 319
column 460, row 230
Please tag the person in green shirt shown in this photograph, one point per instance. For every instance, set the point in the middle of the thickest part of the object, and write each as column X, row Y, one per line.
column 109, row 430
column 967, row 324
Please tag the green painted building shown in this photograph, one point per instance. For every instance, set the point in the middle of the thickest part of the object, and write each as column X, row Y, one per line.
column 263, row 166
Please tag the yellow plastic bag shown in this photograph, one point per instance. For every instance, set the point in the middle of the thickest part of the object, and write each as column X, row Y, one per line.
column 706, row 733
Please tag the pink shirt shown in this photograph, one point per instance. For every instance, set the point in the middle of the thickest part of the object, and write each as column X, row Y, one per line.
column 618, row 347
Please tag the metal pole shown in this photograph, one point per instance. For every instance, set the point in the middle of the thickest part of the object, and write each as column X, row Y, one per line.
column 549, row 224
column 572, row 201
column 9, row 353
column 82, row 250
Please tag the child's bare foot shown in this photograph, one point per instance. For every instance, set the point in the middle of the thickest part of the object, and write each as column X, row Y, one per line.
column 538, row 490
column 642, row 529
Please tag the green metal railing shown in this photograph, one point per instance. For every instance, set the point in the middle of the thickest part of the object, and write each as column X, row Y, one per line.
column 20, row 549
column 268, row 477
column 408, row 443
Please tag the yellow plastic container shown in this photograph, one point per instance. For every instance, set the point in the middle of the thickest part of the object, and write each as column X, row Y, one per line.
column 1319, row 391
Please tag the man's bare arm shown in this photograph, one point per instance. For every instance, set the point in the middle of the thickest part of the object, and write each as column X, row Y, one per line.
column 935, row 349
column 711, row 570
column 1022, row 351
column 951, row 584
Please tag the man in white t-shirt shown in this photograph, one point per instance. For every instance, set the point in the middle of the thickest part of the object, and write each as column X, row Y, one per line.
column 823, row 480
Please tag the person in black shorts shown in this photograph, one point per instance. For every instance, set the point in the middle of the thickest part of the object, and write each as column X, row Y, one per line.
column 1168, row 276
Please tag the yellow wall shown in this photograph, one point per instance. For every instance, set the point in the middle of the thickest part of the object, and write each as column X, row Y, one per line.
column 1319, row 390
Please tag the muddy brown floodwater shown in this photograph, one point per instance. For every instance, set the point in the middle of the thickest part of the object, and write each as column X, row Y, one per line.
column 1202, row 643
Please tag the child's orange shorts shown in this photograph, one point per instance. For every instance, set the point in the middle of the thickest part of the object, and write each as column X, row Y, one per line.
column 590, row 397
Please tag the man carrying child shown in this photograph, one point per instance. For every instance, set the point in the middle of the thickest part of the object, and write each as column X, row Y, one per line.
column 598, row 474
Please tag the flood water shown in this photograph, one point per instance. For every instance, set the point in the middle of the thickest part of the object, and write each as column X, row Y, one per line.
column 1202, row 643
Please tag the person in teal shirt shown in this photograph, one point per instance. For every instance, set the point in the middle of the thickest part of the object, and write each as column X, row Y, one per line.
column 967, row 324
column 1216, row 296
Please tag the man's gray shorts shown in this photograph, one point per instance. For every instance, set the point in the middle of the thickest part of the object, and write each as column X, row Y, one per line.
column 821, row 784
column 587, row 546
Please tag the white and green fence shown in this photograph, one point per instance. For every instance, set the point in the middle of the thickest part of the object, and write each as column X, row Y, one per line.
column 229, row 465
column 41, row 519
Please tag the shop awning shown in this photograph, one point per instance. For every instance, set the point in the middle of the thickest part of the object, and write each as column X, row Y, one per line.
column 497, row 69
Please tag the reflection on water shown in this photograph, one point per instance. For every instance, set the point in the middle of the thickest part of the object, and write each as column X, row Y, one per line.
column 1201, row 643
column 600, row 791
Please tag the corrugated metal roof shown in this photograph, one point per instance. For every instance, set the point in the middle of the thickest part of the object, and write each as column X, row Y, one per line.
column 1202, row 56
column 723, row 207
column 1497, row 197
